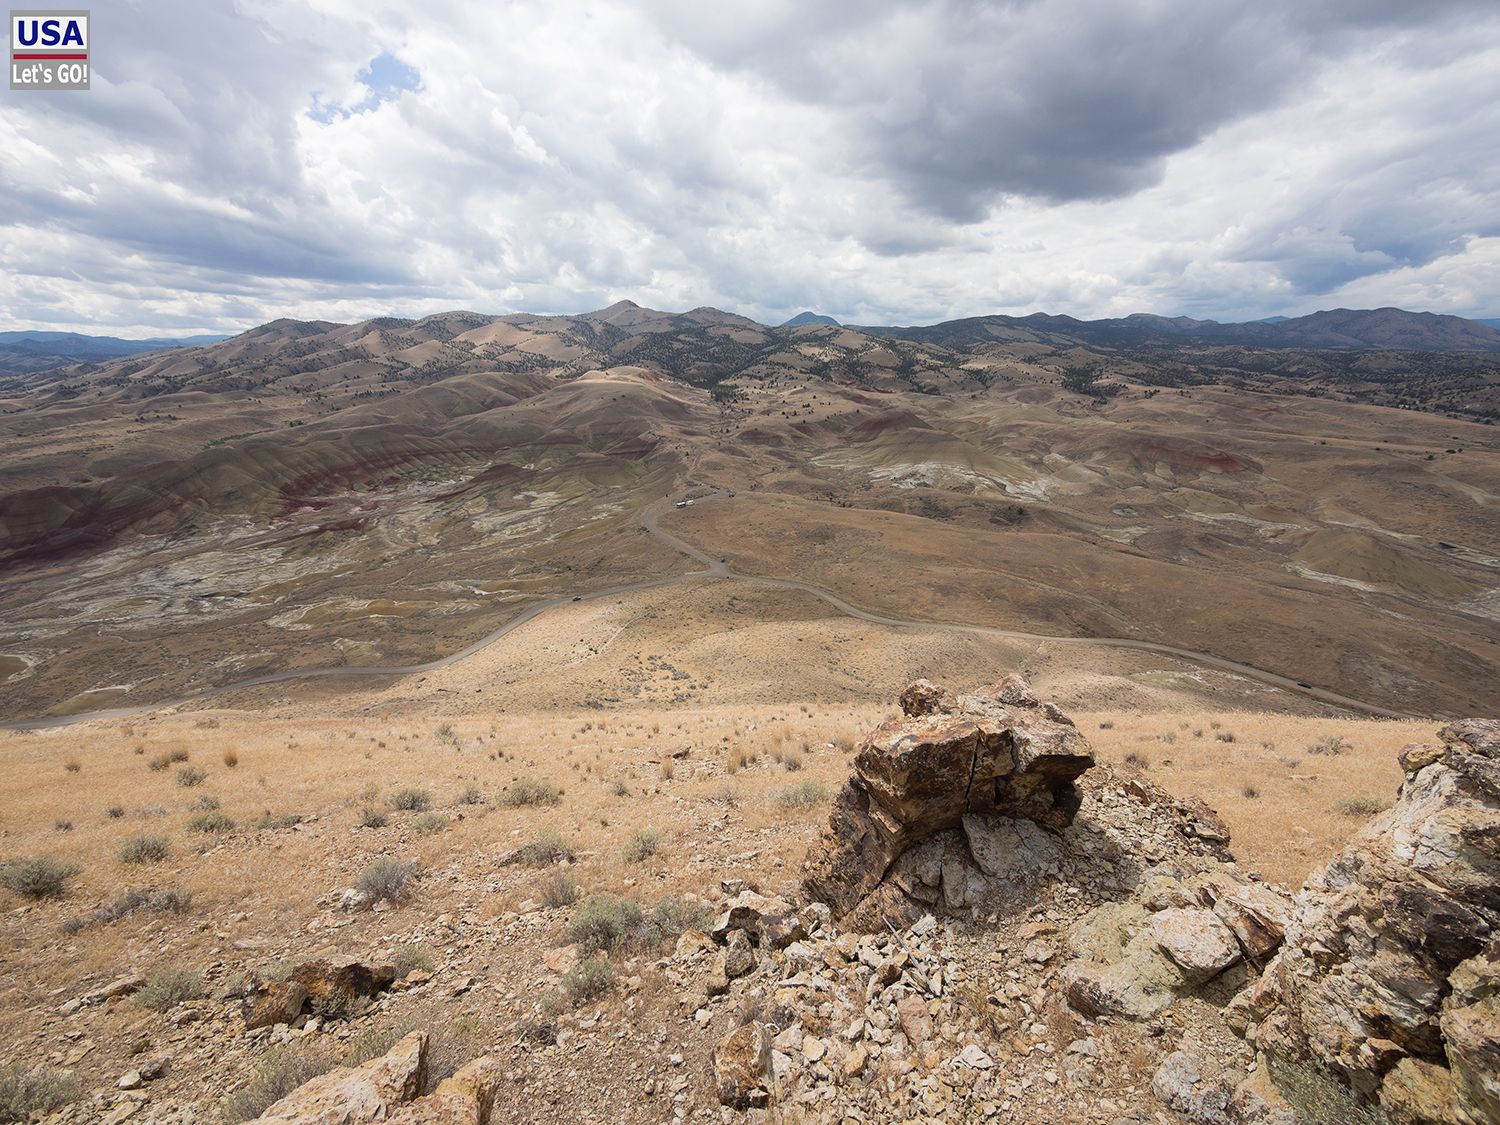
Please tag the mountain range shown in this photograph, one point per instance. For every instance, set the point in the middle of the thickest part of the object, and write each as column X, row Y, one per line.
column 390, row 491
column 1385, row 329
column 26, row 351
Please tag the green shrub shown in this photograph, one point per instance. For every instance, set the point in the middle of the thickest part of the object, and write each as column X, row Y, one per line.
column 387, row 878
column 212, row 821
column 144, row 848
column 604, row 922
column 548, row 848
column 674, row 915
column 38, row 877
column 411, row 800
column 27, row 1092
column 588, row 980
column 166, row 988
column 472, row 795
column 429, row 822
column 208, row 802
column 282, row 1069
column 803, row 795
column 372, row 818
column 643, row 845
column 168, row 900
column 189, row 776
column 530, row 791
column 267, row 820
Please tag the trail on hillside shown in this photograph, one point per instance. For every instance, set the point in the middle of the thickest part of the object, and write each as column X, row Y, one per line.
column 715, row 569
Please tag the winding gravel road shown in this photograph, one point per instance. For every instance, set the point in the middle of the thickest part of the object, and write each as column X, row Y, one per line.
column 715, row 569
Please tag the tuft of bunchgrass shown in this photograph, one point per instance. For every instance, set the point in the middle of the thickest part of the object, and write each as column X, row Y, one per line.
column 410, row 958
column 212, row 821
column 546, row 849
column 167, row 900
column 557, row 889
column 282, row 1069
column 588, row 980
column 429, row 823
column 674, row 915
column 1332, row 745
column 411, row 800
column 803, row 795
column 166, row 988
column 1360, row 806
column 530, row 791
column 28, row 1092
column 642, row 846
column 189, row 776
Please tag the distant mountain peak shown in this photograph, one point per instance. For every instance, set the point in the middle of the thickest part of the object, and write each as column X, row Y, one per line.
column 809, row 318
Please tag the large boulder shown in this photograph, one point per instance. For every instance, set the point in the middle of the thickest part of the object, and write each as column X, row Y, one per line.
column 337, row 986
column 389, row 1089
column 951, row 762
column 742, row 1067
column 1387, row 976
column 369, row 1092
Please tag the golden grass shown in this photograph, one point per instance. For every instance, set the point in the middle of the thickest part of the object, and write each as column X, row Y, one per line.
column 719, row 812
column 1293, row 821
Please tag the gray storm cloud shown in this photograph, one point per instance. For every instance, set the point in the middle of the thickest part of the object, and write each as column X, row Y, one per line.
column 880, row 161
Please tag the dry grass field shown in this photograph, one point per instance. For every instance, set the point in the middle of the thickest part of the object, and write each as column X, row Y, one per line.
column 235, row 835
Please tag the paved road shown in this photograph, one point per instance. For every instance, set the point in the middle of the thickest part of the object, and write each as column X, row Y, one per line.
column 713, row 569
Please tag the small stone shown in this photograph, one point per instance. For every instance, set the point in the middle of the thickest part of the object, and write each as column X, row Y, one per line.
column 131, row 1080
column 739, row 956
column 974, row 1056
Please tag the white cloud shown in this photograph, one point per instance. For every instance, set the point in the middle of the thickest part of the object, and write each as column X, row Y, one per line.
column 881, row 162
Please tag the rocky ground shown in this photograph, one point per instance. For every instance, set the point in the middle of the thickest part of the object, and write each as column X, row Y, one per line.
column 993, row 926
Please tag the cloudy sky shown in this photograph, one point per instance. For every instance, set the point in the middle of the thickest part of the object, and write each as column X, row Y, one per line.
column 240, row 160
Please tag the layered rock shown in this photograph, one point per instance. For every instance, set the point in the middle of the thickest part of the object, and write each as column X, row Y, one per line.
column 1390, row 975
column 999, row 764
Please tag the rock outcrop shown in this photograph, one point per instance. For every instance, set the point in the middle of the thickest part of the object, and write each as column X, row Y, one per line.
column 338, row 986
column 1185, row 927
column 1390, row 974
column 998, row 765
column 390, row 1089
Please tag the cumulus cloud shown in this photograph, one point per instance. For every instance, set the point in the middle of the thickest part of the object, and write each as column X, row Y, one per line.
column 881, row 161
